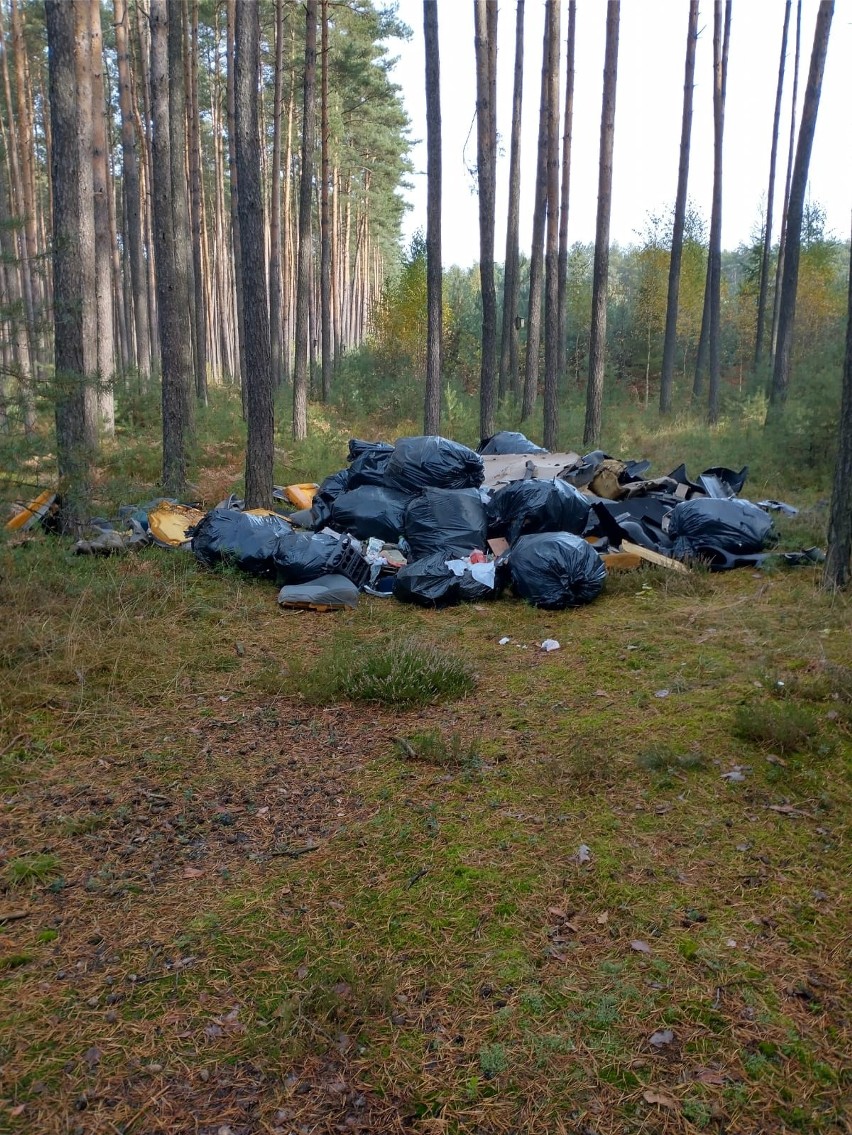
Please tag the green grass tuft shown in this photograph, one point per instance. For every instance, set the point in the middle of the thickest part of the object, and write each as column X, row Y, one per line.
column 31, row 869
column 784, row 727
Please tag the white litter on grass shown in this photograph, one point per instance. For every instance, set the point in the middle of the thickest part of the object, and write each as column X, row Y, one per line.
column 661, row 694
column 504, row 641
column 550, row 644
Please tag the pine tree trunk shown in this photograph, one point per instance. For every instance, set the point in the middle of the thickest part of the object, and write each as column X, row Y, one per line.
column 144, row 133
column 719, row 87
column 75, row 313
column 838, row 564
column 568, row 127
column 770, row 197
column 795, row 210
column 782, row 239
column 537, row 248
column 287, row 250
column 103, row 251
column 303, row 284
column 551, row 262
column 275, row 303
column 195, row 208
column 486, row 146
column 235, row 194
column 25, row 142
column 597, row 335
column 670, row 336
column 15, row 333
column 434, row 267
column 257, row 377
column 509, row 377
column 325, row 217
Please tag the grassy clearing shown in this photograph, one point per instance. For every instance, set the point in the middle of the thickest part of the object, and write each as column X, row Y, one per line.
column 599, row 889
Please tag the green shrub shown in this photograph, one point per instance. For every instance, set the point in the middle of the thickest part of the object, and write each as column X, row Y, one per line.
column 783, row 727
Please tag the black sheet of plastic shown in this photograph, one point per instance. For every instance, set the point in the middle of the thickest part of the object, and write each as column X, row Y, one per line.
column 370, row 467
column 370, row 510
column 357, row 447
column 639, row 519
column 430, row 583
column 536, row 506
column 506, row 441
column 446, row 520
column 432, row 462
column 301, row 557
column 248, row 542
column 325, row 496
column 554, row 570
column 704, row 526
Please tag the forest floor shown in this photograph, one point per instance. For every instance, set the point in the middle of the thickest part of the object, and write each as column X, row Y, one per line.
column 602, row 893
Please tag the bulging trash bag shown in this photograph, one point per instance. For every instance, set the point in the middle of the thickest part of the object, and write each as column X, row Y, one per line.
column 432, row 462
column 328, row 592
column 537, row 506
column 357, row 447
column 302, row 557
column 369, row 468
column 707, row 526
column 370, row 510
column 446, row 520
column 326, row 495
column 249, row 542
column 555, row 570
column 431, row 583
column 508, row 442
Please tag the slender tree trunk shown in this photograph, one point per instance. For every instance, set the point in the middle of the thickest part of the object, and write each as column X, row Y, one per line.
column 597, row 335
column 303, row 284
column 537, row 249
column 568, row 128
column 15, row 333
column 798, row 185
column 434, row 268
column 144, row 131
column 25, row 142
column 509, row 378
column 551, row 263
column 325, row 217
column 838, row 564
column 74, row 305
column 770, row 197
column 670, row 337
column 175, row 347
column 275, row 304
column 486, row 139
column 257, row 377
column 103, row 251
column 288, row 256
column 195, row 207
column 719, row 87
column 235, row 194
column 782, row 239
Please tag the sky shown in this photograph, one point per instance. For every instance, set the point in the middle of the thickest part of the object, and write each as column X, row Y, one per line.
column 649, row 103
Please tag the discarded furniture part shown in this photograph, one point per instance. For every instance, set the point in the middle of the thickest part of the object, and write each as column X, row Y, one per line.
column 537, row 506
column 716, row 530
column 32, row 513
column 248, row 542
column 651, row 557
column 169, row 522
column 432, row 462
column 432, row 582
column 452, row 521
column 370, row 510
column 302, row 496
column 328, row 593
column 502, row 469
column 639, row 520
column 555, row 570
column 723, row 480
column 507, row 441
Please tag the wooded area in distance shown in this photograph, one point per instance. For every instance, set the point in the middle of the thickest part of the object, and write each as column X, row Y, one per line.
column 199, row 195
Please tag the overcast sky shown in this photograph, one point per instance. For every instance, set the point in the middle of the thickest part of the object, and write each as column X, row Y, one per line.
column 648, row 114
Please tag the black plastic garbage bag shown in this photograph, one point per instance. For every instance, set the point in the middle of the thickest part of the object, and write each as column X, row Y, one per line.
column 370, row 510
column 335, row 591
column 326, row 495
column 226, row 535
column 555, row 570
column 302, row 557
column 433, row 462
column 357, row 447
column 708, row 527
column 537, row 506
column 506, row 441
column 370, row 467
column 446, row 520
column 430, row 583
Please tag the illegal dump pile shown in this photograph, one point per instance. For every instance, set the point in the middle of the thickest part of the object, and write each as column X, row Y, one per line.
column 429, row 521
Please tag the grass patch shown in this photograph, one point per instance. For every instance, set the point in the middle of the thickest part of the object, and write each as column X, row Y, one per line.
column 433, row 748
column 785, row 727
column 32, row 869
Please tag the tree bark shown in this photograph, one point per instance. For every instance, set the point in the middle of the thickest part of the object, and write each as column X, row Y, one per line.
column 486, row 146
column 199, row 322
column 103, row 250
column 303, row 281
column 325, row 217
column 798, row 185
column 257, row 377
column 509, row 377
column 537, row 247
column 782, row 239
column 551, row 265
column 670, row 337
column 838, row 564
column 275, row 302
column 568, row 128
column 770, row 197
column 74, row 305
column 25, row 143
column 719, row 87
column 597, row 334
column 235, row 193
column 434, row 268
